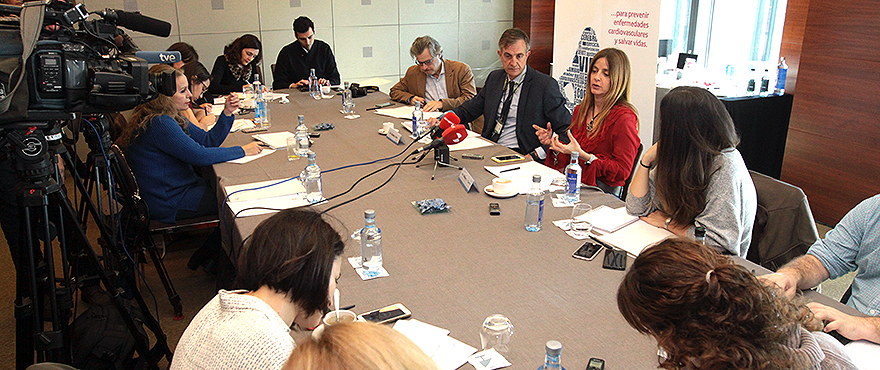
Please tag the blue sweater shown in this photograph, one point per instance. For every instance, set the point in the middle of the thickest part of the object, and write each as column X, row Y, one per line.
column 162, row 159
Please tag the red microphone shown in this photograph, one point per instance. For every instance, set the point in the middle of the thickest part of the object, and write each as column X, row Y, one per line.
column 452, row 133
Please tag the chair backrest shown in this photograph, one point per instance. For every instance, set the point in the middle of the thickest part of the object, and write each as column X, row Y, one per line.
column 784, row 226
column 129, row 188
column 272, row 67
column 632, row 173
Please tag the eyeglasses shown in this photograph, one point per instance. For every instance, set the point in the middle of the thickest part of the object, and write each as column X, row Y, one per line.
column 425, row 63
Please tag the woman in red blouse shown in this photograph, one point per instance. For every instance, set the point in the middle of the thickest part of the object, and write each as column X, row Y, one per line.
column 604, row 127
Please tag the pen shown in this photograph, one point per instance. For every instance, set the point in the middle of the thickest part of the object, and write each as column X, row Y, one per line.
column 601, row 242
column 509, row 169
column 372, row 108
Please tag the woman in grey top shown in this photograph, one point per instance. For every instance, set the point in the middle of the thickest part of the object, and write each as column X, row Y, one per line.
column 694, row 176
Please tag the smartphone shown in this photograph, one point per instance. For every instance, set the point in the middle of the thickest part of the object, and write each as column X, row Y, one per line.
column 386, row 314
column 494, row 209
column 596, row 364
column 588, row 251
column 507, row 158
column 383, row 105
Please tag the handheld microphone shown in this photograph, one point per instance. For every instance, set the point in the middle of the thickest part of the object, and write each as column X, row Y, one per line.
column 159, row 57
column 137, row 22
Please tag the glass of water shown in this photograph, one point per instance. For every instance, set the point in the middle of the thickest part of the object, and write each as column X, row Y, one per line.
column 348, row 108
column 496, row 333
column 581, row 220
column 248, row 91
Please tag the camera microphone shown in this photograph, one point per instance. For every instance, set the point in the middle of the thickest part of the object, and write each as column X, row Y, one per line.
column 137, row 22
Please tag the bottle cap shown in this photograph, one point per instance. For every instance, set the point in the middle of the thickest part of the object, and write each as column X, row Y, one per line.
column 370, row 213
column 311, row 155
column 575, row 155
column 301, row 117
column 553, row 347
column 536, row 178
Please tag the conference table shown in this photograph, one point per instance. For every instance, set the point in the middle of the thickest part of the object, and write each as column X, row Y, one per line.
column 452, row 269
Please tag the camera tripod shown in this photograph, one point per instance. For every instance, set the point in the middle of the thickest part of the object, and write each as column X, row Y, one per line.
column 31, row 147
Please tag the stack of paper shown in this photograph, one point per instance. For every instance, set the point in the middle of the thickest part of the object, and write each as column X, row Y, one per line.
column 448, row 352
column 636, row 237
column 255, row 197
column 521, row 174
column 274, row 140
column 404, row 112
column 241, row 123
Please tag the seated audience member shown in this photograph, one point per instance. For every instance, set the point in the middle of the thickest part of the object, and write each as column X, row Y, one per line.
column 237, row 66
column 188, row 54
column 707, row 312
column 200, row 110
column 359, row 345
column 437, row 83
column 162, row 149
column 604, row 128
column 515, row 98
column 698, row 177
column 287, row 273
column 295, row 61
column 853, row 245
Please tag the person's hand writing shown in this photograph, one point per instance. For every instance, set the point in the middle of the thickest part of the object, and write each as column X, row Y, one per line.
column 252, row 148
column 852, row 327
column 558, row 146
column 232, row 103
column 208, row 107
column 544, row 135
column 786, row 284
column 415, row 99
column 432, row 106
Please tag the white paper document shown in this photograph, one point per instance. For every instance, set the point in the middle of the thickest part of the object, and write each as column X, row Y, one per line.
column 404, row 112
column 241, row 123
column 448, row 352
column 269, row 205
column 249, row 158
column 636, row 237
column 472, row 141
column 608, row 220
column 275, row 140
column 263, row 190
column 521, row 174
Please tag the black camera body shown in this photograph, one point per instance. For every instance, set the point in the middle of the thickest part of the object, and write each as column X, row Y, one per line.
column 69, row 77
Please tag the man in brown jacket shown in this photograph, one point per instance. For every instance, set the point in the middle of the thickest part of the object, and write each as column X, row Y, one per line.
column 437, row 83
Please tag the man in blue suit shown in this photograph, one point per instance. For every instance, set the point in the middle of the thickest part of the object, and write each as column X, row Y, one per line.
column 515, row 98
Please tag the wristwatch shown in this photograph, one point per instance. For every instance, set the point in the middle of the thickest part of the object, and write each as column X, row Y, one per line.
column 592, row 158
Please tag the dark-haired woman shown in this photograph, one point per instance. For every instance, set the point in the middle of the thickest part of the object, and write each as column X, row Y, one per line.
column 287, row 273
column 694, row 176
column 188, row 54
column 707, row 312
column 237, row 66
column 200, row 110
column 604, row 127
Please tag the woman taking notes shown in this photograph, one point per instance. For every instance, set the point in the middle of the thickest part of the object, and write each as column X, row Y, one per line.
column 604, row 127
column 200, row 109
column 694, row 176
column 237, row 66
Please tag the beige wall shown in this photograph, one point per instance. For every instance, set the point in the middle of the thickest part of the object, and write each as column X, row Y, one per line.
column 467, row 29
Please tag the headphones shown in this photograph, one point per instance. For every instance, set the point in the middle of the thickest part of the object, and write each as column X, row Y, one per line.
column 164, row 82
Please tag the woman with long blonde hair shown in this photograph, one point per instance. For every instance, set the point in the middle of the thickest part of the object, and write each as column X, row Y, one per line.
column 604, row 128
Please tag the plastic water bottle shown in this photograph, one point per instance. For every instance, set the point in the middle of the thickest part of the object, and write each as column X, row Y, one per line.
column 417, row 116
column 261, row 111
column 347, row 103
column 311, row 180
column 534, row 205
column 750, row 87
column 314, row 89
column 371, row 245
column 553, row 351
column 781, row 73
column 765, row 82
column 573, row 180
column 301, row 135
column 700, row 235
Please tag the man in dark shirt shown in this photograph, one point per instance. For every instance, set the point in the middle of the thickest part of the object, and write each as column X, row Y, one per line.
column 296, row 59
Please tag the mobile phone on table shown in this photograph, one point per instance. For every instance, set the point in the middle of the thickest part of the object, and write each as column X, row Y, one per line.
column 507, row 158
column 588, row 251
column 386, row 314
column 596, row 364
column 254, row 129
column 494, row 209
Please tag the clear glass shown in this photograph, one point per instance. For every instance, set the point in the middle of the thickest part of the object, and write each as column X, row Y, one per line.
column 581, row 220
column 247, row 91
column 292, row 154
column 496, row 332
column 534, row 206
column 371, row 245
column 573, row 180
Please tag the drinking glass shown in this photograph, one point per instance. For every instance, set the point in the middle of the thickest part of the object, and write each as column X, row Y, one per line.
column 496, row 333
column 348, row 107
column 581, row 220
column 248, row 91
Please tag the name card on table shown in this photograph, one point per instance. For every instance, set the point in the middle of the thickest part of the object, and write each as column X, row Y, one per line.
column 393, row 135
column 466, row 180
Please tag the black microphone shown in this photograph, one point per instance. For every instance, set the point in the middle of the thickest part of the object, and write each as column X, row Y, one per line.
column 433, row 145
column 138, row 22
